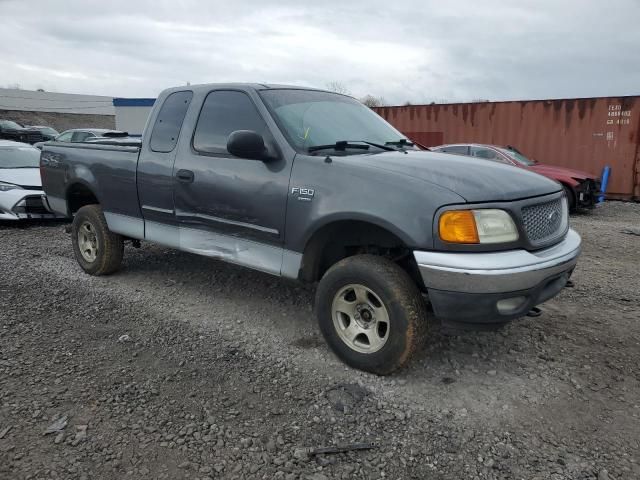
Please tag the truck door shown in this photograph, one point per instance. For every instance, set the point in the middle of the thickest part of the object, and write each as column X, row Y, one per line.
column 225, row 205
column 155, row 165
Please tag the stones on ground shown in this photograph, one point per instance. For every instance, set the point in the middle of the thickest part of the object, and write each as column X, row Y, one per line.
column 81, row 434
column 346, row 396
column 271, row 445
column 317, row 476
column 301, row 453
column 199, row 378
column 124, row 338
column 57, row 426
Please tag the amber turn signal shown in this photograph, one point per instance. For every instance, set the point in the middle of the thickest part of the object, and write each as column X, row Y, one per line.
column 458, row 226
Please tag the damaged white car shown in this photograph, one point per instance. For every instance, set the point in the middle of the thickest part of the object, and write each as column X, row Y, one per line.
column 21, row 194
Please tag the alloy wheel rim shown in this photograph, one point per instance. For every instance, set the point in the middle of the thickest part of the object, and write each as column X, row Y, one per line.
column 88, row 242
column 360, row 318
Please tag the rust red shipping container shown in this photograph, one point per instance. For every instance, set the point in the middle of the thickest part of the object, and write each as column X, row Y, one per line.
column 583, row 133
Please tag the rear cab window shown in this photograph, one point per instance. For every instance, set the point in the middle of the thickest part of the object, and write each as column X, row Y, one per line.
column 166, row 129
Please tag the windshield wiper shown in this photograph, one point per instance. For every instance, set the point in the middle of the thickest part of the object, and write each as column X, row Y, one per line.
column 403, row 142
column 342, row 145
column 339, row 146
column 383, row 147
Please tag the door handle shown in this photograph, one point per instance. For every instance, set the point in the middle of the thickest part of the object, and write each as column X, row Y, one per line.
column 185, row 176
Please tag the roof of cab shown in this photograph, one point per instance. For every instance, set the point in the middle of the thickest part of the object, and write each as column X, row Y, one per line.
column 242, row 86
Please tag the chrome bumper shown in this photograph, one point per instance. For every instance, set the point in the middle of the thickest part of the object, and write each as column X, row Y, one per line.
column 498, row 272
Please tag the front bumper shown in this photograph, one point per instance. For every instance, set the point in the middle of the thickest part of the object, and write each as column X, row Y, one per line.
column 22, row 204
column 588, row 193
column 496, row 287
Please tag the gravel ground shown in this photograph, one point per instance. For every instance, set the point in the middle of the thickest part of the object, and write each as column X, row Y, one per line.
column 184, row 367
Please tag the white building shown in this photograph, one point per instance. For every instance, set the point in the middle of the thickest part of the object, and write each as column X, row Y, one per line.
column 36, row 101
column 70, row 110
column 132, row 113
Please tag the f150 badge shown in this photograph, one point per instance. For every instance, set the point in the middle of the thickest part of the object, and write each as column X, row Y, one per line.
column 304, row 194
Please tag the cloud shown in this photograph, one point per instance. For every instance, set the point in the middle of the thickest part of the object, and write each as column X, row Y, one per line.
column 408, row 50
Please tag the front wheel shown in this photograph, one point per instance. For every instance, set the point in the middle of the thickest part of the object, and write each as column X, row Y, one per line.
column 371, row 313
column 571, row 198
column 98, row 250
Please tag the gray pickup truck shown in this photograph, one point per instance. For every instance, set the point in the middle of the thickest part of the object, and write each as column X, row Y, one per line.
column 313, row 186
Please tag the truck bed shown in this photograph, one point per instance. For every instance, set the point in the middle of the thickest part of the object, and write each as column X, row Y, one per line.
column 108, row 169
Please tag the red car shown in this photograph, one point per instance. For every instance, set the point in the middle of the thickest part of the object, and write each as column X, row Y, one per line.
column 582, row 188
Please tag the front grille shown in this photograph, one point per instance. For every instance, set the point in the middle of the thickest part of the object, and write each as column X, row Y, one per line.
column 34, row 205
column 545, row 222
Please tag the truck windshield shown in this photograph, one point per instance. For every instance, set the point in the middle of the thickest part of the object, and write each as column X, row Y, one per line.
column 312, row 118
column 20, row 157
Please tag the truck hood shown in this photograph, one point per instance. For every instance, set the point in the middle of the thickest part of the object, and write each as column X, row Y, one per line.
column 473, row 180
column 557, row 172
column 25, row 177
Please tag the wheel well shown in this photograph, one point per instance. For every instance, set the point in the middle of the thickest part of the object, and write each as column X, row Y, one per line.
column 345, row 238
column 78, row 196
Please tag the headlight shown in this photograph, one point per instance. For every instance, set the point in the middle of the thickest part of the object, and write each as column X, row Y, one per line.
column 485, row 225
column 5, row 187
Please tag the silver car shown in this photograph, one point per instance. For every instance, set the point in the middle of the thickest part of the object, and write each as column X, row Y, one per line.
column 21, row 194
column 76, row 135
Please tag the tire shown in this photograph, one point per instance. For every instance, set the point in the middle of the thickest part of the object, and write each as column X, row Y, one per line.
column 98, row 250
column 367, row 283
column 571, row 198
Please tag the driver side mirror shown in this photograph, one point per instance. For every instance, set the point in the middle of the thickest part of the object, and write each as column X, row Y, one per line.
column 248, row 144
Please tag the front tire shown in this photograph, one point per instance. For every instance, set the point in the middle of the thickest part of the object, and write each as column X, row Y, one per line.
column 571, row 198
column 98, row 250
column 371, row 313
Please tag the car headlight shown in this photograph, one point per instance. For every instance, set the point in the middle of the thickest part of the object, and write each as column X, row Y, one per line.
column 487, row 225
column 5, row 187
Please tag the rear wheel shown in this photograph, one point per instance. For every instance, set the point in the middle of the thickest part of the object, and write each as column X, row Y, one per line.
column 98, row 250
column 371, row 313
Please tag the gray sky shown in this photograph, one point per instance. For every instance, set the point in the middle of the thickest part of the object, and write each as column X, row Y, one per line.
column 402, row 50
